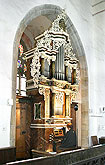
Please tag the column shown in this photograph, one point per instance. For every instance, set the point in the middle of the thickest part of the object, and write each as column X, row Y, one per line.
column 67, row 105
column 52, row 104
column 47, row 103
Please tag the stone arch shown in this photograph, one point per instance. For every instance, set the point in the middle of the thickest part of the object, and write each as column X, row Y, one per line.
column 51, row 11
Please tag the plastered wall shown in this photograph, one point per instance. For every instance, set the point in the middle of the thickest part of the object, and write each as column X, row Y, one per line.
column 91, row 31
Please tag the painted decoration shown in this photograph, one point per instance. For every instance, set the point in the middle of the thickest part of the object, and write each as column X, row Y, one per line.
column 21, row 63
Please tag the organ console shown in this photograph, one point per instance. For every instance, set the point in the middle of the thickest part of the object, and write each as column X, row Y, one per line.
column 56, row 137
column 58, row 133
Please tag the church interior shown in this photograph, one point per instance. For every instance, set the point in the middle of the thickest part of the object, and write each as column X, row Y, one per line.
column 52, row 82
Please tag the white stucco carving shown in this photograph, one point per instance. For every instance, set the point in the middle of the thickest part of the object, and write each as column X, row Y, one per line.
column 59, row 96
column 48, row 45
column 35, row 68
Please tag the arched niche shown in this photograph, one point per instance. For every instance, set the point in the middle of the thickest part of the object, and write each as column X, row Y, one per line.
column 50, row 12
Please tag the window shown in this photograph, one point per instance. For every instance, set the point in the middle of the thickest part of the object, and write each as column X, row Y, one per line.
column 21, row 72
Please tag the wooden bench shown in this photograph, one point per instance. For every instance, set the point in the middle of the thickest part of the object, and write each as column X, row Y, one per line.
column 94, row 140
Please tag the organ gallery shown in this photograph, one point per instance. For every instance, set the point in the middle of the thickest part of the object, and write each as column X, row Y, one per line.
column 52, row 80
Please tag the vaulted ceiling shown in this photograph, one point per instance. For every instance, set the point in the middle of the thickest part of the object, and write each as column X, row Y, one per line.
column 36, row 27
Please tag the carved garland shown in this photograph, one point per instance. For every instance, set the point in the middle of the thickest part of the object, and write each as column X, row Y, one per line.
column 35, row 68
column 44, row 91
column 70, row 58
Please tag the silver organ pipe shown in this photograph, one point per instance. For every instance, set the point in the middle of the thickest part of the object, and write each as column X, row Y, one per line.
column 59, row 64
column 69, row 75
column 46, row 69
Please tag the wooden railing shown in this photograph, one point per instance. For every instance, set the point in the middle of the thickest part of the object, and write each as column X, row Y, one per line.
column 91, row 156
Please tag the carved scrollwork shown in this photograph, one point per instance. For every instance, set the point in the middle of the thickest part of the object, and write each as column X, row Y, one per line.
column 56, row 25
column 59, row 96
column 74, row 88
column 70, row 58
column 59, row 84
column 35, row 68
column 73, row 96
column 55, row 37
column 42, row 92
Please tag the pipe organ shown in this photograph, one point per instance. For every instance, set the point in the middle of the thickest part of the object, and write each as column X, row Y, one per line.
column 59, row 64
column 54, row 74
